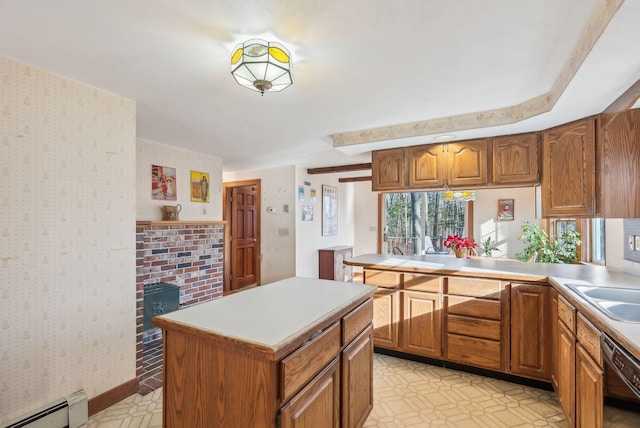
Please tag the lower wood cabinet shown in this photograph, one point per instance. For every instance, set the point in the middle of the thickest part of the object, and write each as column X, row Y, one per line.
column 589, row 390
column 422, row 323
column 530, row 326
column 357, row 364
column 386, row 317
column 580, row 374
column 318, row 404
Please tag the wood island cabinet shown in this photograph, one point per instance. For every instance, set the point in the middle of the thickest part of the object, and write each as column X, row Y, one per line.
column 234, row 362
column 530, row 326
column 516, row 159
column 568, row 165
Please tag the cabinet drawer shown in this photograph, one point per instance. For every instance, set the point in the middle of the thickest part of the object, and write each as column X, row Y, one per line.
column 487, row 288
column 382, row 278
column 356, row 321
column 589, row 337
column 473, row 351
column 305, row 362
column 428, row 283
column 485, row 329
column 567, row 313
column 474, row 307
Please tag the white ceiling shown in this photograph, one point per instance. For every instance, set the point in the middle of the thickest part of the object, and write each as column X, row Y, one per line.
column 357, row 64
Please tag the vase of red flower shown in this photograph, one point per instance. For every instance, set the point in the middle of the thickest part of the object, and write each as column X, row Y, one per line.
column 459, row 246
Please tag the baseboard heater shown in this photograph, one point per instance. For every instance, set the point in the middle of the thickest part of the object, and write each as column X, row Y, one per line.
column 71, row 411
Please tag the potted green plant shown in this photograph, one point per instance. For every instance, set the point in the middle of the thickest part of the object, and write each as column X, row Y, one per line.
column 545, row 249
column 489, row 246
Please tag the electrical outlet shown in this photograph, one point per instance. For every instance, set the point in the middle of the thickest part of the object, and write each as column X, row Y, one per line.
column 637, row 243
column 632, row 242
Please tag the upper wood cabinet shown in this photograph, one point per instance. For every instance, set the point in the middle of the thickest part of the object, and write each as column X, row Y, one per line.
column 568, row 165
column 427, row 165
column 467, row 163
column 388, row 169
column 516, row 159
column 618, row 167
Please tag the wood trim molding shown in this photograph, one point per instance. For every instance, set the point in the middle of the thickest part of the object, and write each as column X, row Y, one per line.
column 340, row 168
column 354, row 179
column 112, row 396
column 621, row 104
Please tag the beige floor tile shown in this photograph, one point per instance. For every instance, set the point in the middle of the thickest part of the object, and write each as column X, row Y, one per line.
column 409, row 394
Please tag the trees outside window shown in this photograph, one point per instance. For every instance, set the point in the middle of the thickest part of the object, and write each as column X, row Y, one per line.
column 419, row 222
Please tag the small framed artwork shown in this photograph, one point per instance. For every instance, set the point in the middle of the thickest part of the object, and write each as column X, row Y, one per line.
column 163, row 183
column 301, row 193
column 329, row 210
column 307, row 213
column 199, row 186
column 313, row 195
column 505, row 209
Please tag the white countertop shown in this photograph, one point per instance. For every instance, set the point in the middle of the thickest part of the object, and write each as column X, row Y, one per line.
column 271, row 315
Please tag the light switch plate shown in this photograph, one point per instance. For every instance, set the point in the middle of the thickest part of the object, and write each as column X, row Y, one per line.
column 632, row 242
column 637, row 243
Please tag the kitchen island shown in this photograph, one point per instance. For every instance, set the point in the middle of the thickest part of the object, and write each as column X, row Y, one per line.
column 525, row 320
column 297, row 352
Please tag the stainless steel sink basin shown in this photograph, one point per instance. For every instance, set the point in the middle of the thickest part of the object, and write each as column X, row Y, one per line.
column 622, row 304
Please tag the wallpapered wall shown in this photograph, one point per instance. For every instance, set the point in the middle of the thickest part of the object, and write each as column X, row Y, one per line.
column 67, row 247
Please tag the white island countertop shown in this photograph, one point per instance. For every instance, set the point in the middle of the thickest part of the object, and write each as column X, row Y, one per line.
column 269, row 316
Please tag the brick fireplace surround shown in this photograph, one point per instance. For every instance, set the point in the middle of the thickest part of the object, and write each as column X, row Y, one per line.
column 187, row 254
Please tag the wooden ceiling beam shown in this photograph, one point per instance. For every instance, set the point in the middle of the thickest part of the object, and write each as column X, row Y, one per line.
column 339, row 168
column 353, row 179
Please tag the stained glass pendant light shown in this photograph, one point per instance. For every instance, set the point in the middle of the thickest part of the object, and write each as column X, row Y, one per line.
column 261, row 66
column 459, row 195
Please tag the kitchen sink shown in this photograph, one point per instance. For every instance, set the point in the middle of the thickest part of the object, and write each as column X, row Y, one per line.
column 622, row 304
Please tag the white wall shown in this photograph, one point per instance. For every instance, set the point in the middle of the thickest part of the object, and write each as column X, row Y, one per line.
column 506, row 233
column 184, row 161
column 366, row 219
column 309, row 237
column 278, row 229
column 67, row 247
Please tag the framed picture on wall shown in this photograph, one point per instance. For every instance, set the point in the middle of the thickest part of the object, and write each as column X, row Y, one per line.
column 163, row 183
column 199, row 186
column 329, row 210
column 505, row 209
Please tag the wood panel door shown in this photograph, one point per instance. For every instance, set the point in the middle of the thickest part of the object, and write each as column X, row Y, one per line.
column 242, row 211
column 467, row 163
column 427, row 166
column 568, row 170
column 530, row 330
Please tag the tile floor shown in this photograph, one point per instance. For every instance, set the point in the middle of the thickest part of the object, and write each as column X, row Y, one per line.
column 411, row 394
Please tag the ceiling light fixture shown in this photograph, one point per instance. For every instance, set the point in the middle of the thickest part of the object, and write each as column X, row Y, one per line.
column 459, row 195
column 261, row 66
